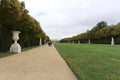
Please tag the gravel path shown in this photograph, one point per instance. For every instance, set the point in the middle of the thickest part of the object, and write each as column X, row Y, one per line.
column 41, row 63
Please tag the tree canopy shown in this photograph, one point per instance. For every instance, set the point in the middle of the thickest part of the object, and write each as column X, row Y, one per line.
column 14, row 16
column 100, row 34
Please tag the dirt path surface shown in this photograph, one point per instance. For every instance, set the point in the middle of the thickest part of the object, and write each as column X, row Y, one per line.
column 41, row 63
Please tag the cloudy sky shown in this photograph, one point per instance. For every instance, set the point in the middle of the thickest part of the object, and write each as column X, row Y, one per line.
column 65, row 18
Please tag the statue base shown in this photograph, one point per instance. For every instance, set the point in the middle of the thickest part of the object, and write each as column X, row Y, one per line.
column 15, row 48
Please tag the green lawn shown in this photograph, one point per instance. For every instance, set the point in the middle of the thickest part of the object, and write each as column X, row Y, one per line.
column 5, row 54
column 92, row 62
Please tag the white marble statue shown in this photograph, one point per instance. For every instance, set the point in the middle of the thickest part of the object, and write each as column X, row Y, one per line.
column 112, row 41
column 15, row 47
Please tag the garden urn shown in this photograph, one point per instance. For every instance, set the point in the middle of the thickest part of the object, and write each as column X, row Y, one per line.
column 15, row 47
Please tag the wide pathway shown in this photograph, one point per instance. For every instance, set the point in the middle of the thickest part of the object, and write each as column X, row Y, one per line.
column 41, row 63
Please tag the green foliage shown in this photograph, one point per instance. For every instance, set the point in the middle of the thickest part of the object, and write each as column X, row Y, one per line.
column 9, row 13
column 100, row 34
column 116, row 31
column 5, row 54
column 14, row 16
column 99, row 26
column 92, row 62
column 105, row 32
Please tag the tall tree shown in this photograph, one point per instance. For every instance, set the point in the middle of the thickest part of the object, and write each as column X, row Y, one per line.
column 99, row 26
column 14, row 16
column 9, row 13
column 9, row 17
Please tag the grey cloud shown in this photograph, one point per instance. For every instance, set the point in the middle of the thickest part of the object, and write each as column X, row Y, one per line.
column 65, row 18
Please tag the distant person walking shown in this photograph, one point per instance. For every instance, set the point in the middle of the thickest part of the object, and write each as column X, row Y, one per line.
column 49, row 43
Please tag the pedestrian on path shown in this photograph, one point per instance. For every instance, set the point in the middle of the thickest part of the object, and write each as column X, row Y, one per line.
column 49, row 43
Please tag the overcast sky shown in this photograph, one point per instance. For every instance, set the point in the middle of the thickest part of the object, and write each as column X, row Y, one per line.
column 65, row 18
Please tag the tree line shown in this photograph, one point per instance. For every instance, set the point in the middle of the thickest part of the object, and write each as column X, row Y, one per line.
column 14, row 16
column 101, row 33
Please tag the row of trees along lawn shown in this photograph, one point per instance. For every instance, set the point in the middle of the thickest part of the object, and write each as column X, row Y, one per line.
column 14, row 16
column 100, row 34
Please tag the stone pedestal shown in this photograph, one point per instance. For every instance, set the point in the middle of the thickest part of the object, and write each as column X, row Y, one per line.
column 78, row 42
column 15, row 47
column 40, row 43
column 112, row 41
column 89, row 41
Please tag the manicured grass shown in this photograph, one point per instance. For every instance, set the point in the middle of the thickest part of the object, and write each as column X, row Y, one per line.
column 5, row 54
column 92, row 62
